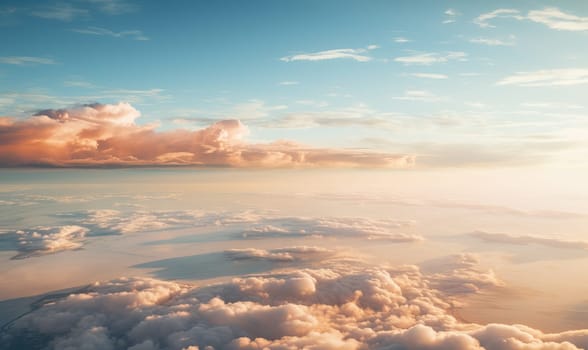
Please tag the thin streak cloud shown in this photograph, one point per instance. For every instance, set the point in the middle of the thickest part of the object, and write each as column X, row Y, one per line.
column 547, row 77
column 132, row 34
column 359, row 55
column 25, row 60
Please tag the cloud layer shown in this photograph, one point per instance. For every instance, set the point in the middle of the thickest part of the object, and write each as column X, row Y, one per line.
column 106, row 135
column 79, row 228
column 340, row 306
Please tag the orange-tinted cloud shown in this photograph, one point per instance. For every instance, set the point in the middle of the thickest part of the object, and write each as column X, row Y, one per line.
column 107, row 135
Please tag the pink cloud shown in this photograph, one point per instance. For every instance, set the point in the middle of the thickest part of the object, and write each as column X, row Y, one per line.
column 107, row 135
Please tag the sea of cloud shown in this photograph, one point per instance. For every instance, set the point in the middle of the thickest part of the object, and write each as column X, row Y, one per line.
column 344, row 304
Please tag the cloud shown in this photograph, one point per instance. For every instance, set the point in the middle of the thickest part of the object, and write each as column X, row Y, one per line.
column 494, row 42
column 556, row 19
column 339, row 306
column 113, row 7
column 547, row 77
column 132, row 34
column 483, row 19
column 80, row 227
column 450, row 16
column 401, row 40
column 106, row 135
column 505, row 238
column 48, row 240
column 278, row 255
column 419, row 95
column 552, row 17
column 288, row 82
column 432, row 58
column 358, row 55
column 429, row 75
column 25, row 60
column 61, row 12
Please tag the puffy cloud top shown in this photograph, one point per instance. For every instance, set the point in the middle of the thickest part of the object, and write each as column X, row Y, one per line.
column 107, row 135
column 341, row 306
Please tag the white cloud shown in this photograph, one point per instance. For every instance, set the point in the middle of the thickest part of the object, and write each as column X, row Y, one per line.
column 359, row 55
column 552, row 17
column 401, row 40
column 113, row 7
column 48, row 240
column 342, row 305
column 24, row 60
column 132, row 34
column 288, row 82
column 483, row 19
column 548, row 77
column 429, row 75
column 494, row 42
column 419, row 95
column 61, row 12
column 280, row 254
column 431, row 58
column 556, row 19
column 450, row 16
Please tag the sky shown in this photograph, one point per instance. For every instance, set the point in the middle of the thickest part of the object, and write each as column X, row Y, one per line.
column 362, row 175
column 442, row 84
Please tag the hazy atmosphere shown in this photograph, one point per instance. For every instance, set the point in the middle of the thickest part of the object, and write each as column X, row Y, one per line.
column 293, row 175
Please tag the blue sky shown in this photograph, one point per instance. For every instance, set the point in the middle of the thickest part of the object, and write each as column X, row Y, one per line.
column 403, row 76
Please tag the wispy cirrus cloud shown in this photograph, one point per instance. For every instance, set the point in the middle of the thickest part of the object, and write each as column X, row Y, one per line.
column 25, row 60
column 61, row 12
column 131, row 34
column 556, row 19
column 552, row 17
column 418, row 95
column 548, row 77
column 494, row 42
column 429, row 75
column 432, row 58
column 359, row 55
column 401, row 40
column 483, row 19
column 113, row 7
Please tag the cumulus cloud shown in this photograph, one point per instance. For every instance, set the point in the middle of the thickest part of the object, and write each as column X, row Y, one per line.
column 548, row 77
column 432, row 58
column 340, row 306
column 47, row 240
column 359, row 55
column 106, row 135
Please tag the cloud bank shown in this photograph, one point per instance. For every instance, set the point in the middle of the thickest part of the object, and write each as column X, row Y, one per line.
column 106, row 135
column 80, row 227
column 340, row 306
